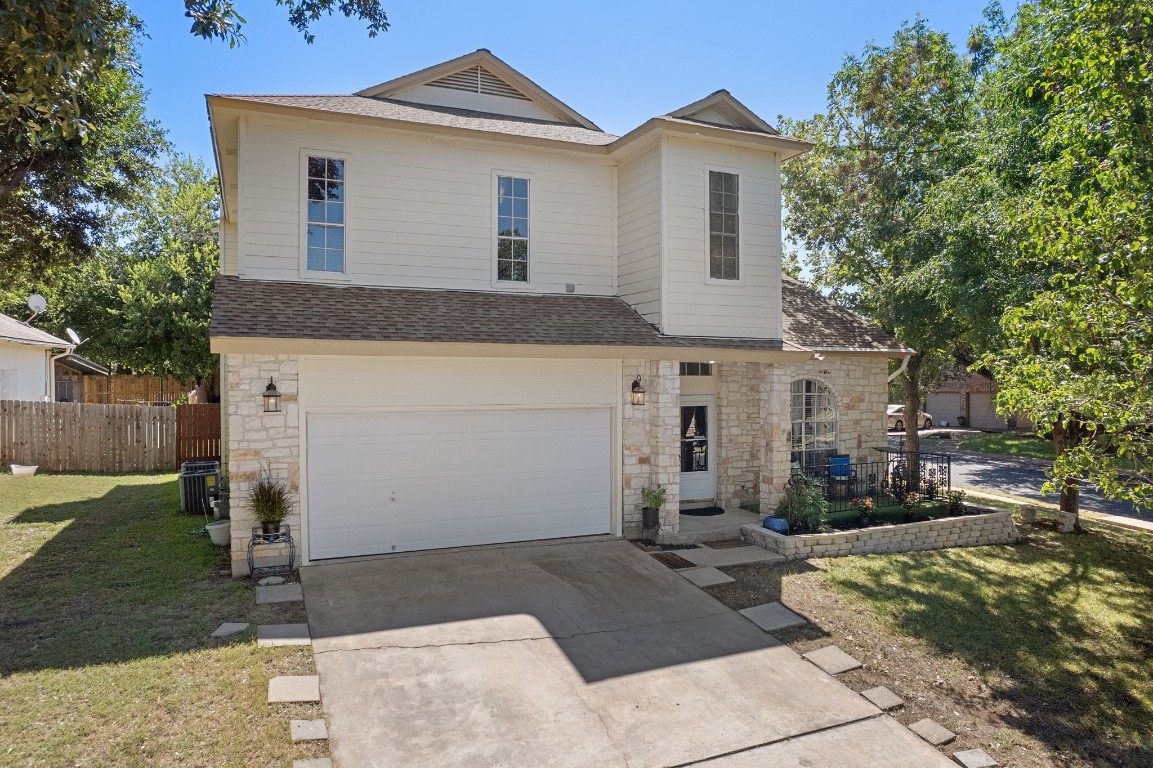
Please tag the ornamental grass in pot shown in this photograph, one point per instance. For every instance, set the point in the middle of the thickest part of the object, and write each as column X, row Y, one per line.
column 269, row 500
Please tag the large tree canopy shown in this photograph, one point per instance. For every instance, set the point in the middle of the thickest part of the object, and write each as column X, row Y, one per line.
column 857, row 202
column 1077, row 356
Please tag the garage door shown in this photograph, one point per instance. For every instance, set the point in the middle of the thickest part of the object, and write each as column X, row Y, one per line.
column 396, row 482
column 983, row 412
column 944, row 406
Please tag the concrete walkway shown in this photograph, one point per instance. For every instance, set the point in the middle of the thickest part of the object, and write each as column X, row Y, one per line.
column 570, row 654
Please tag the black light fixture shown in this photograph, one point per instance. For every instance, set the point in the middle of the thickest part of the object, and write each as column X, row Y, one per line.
column 271, row 398
column 638, row 393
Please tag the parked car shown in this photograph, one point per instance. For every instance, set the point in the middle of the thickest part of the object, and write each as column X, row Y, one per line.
column 897, row 418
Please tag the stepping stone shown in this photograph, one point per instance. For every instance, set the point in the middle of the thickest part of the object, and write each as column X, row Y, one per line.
column 974, row 758
column 315, row 762
column 308, row 730
column 832, row 660
column 294, row 688
column 883, row 698
column 932, row 732
column 282, row 593
column 271, row 581
column 272, row 635
column 229, row 628
column 706, row 577
column 772, row 616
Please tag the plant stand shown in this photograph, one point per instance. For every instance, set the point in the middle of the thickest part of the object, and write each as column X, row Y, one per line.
column 281, row 538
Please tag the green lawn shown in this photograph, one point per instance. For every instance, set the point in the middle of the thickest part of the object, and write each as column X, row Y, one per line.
column 1061, row 626
column 1011, row 444
column 107, row 601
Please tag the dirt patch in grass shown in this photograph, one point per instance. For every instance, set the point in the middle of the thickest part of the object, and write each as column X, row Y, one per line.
column 1041, row 654
column 107, row 604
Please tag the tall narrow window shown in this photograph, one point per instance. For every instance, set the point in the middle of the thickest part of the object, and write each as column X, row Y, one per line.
column 325, row 214
column 512, row 229
column 724, row 242
column 814, row 417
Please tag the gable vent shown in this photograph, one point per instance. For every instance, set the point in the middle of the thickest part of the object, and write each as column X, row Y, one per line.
column 478, row 80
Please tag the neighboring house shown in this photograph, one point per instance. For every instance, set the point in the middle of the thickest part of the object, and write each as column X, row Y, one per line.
column 73, row 373
column 27, row 358
column 458, row 284
column 970, row 399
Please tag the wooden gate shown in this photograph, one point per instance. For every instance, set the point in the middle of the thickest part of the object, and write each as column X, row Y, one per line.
column 197, row 433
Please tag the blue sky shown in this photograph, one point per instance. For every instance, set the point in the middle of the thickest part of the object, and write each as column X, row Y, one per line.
column 617, row 63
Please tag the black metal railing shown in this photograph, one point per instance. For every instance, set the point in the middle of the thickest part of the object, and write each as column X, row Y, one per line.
column 887, row 481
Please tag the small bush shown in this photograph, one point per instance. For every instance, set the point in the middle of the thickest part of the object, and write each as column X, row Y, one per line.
column 804, row 505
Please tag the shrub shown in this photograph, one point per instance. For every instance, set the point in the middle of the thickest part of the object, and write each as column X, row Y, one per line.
column 804, row 505
column 654, row 498
column 956, row 502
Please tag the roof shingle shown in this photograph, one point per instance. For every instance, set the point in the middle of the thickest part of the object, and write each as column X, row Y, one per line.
column 813, row 322
column 12, row 329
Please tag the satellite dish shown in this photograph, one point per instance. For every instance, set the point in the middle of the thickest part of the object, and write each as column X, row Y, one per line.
column 74, row 336
column 37, row 304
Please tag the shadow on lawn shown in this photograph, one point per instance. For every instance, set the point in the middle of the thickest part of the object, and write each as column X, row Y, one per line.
column 1071, row 671
column 125, row 579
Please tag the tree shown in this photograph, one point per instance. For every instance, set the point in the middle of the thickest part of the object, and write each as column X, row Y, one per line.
column 857, row 202
column 145, row 300
column 1077, row 356
column 73, row 137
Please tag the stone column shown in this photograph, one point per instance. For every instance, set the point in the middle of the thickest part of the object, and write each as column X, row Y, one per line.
column 651, row 441
column 738, row 448
column 775, row 434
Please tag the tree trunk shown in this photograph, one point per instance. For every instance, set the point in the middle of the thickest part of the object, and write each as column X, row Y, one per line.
column 910, row 386
column 1068, row 435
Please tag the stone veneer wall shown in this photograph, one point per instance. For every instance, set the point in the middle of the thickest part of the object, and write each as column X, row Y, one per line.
column 739, row 440
column 651, row 441
column 257, row 440
column 968, row 531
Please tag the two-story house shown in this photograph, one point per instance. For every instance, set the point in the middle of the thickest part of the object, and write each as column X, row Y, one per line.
column 491, row 321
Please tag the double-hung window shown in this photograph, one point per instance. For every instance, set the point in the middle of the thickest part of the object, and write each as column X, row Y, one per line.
column 724, row 226
column 512, row 229
column 326, row 202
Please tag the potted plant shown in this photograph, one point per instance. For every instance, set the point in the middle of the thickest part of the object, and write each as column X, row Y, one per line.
column 864, row 508
column 269, row 500
column 654, row 499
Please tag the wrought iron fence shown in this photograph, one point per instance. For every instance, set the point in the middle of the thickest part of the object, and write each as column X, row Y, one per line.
column 887, row 480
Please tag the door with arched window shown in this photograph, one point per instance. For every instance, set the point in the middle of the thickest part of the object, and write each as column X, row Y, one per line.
column 814, row 424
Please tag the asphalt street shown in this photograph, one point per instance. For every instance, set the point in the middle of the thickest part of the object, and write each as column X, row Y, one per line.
column 1003, row 474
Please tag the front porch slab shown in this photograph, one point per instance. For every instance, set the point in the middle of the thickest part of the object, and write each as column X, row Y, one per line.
column 693, row 529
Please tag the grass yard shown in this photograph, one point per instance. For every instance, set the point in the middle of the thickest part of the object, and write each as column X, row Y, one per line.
column 107, row 601
column 1011, row 444
column 1040, row 653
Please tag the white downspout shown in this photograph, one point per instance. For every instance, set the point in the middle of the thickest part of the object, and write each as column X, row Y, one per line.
column 50, row 374
column 899, row 371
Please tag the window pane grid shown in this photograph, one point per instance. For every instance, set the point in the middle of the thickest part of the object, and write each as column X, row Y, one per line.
column 814, row 420
column 326, row 201
column 724, row 226
column 512, row 229
column 696, row 369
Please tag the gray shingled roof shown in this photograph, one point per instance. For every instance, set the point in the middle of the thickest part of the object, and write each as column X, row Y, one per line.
column 813, row 322
column 357, row 313
column 12, row 329
column 423, row 114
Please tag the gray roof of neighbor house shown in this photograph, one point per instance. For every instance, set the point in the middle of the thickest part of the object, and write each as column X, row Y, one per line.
column 83, row 365
column 257, row 308
column 813, row 322
column 449, row 117
column 13, row 330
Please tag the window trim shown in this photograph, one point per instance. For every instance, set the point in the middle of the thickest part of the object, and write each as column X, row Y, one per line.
column 741, row 262
column 302, row 193
column 704, row 369
column 836, row 420
column 510, row 285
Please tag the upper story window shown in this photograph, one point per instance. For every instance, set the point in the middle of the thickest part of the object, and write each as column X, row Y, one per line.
column 326, row 201
column 696, row 369
column 724, row 241
column 512, row 229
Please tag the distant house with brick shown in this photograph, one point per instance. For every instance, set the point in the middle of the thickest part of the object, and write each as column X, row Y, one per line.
column 965, row 398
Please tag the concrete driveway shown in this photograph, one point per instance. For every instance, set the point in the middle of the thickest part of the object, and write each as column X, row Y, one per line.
column 570, row 654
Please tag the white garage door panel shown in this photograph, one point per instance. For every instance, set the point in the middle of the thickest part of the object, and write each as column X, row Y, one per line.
column 396, row 482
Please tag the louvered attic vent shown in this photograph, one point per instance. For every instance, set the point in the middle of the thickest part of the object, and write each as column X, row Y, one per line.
column 478, row 80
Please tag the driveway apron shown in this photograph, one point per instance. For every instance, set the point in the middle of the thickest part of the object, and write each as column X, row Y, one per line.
column 567, row 654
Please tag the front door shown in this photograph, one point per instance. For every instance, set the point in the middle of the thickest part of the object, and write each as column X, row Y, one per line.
column 698, row 459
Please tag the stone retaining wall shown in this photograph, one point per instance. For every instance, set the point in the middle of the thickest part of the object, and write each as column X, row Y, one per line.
column 968, row 531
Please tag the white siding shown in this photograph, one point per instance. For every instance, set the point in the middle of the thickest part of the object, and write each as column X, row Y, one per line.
column 227, row 247
column 639, row 239
column 695, row 305
column 481, row 102
column 421, row 210
column 22, row 372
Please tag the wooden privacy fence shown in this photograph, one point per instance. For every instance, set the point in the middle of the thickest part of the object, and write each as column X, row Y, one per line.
column 197, row 433
column 86, row 437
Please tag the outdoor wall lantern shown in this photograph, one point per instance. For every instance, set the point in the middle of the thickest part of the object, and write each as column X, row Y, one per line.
column 638, row 393
column 271, row 398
